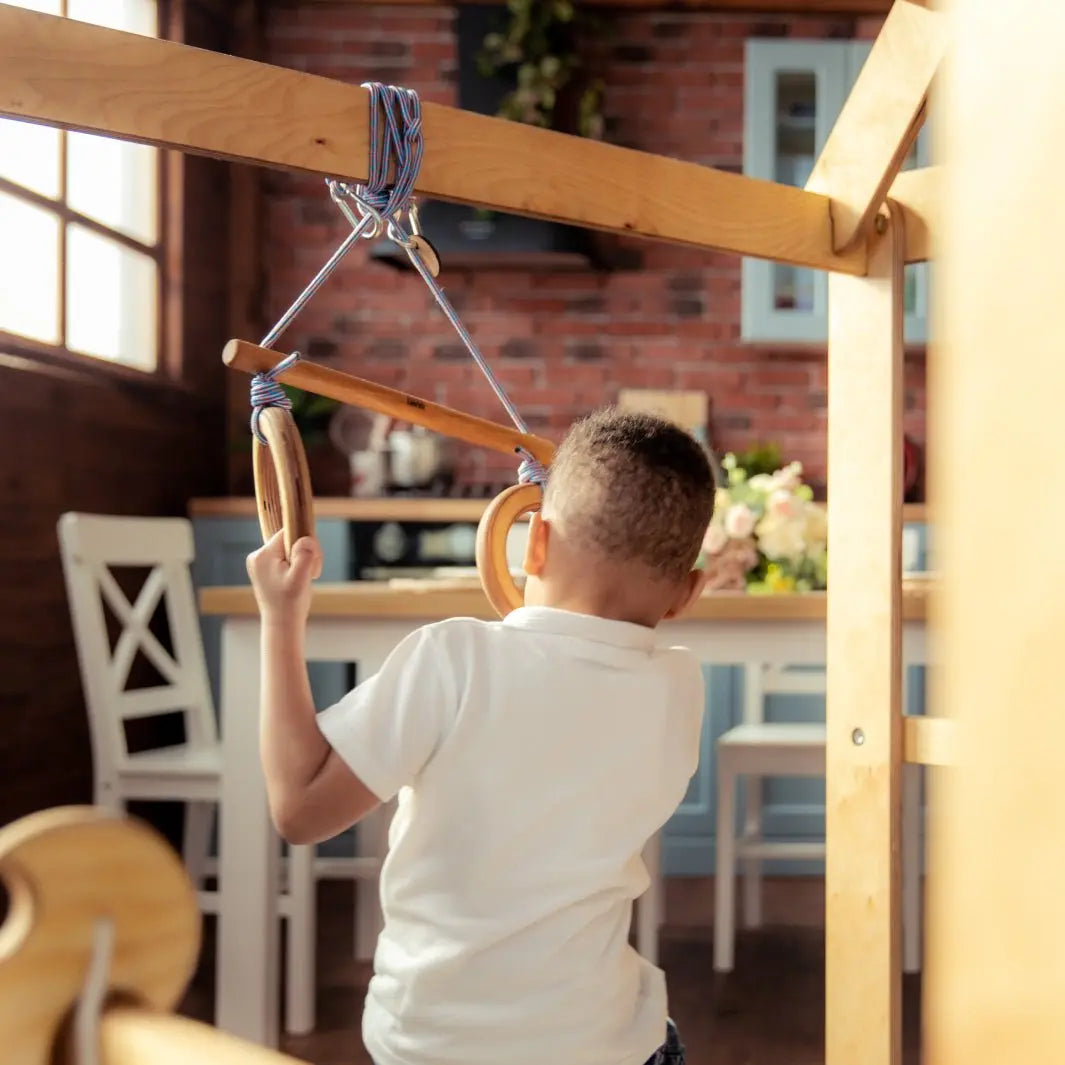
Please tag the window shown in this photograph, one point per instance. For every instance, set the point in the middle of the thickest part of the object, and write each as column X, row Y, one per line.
column 81, row 269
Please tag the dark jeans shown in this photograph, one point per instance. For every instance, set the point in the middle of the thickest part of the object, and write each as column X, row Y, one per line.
column 671, row 1052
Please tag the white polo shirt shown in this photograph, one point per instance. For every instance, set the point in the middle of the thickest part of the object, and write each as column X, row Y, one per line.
column 533, row 759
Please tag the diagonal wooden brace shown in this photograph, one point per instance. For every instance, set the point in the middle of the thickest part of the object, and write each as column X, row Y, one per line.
column 879, row 121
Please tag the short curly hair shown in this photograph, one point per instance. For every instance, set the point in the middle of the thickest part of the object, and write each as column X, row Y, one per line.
column 633, row 488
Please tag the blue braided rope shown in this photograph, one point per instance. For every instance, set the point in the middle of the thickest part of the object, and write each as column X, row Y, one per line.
column 266, row 392
column 399, row 145
column 531, row 470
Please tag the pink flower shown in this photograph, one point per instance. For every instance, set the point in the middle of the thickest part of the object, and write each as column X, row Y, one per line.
column 739, row 521
column 782, row 504
column 715, row 539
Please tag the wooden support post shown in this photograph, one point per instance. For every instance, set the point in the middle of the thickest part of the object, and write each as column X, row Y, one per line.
column 994, row 986
column 880, row 119
column 863, row 941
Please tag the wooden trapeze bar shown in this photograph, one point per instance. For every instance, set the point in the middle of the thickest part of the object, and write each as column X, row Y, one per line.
column 78, row 76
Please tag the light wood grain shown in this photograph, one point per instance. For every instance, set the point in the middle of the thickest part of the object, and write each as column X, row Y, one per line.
column 492, row 563
column 78, row 76
column 138, row 1037
column 863, row 912
column 881, row 117
column 997, row 835
column 930, row 740
column 64, row 869
column 917, row 192
column 83, row 77
column 312, row 377
column 435, row 599
column 283, row 491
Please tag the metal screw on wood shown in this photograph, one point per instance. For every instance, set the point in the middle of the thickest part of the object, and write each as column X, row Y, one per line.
column 857, row 737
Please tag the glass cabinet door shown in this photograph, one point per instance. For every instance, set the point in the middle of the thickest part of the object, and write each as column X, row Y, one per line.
column 794, row 93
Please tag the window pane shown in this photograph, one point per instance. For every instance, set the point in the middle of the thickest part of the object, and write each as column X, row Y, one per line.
column 48, row 7
column 134, row 16
column 115, row 183
column 29, row 156
column 29, row 273
column 112, row 300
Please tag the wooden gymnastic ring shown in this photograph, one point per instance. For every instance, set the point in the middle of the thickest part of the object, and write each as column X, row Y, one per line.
column 492, row 530
column 282, row 481
column 64, row 869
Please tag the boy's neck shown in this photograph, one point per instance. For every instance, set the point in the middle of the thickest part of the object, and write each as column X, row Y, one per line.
column 612, row 604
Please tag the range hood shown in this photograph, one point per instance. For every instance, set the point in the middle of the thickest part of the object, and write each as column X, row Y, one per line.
column 470, row 237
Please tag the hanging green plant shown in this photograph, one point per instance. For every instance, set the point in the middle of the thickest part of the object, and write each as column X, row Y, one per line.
column 539, row 50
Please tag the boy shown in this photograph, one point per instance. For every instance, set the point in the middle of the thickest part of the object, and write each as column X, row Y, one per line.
column 533, row 758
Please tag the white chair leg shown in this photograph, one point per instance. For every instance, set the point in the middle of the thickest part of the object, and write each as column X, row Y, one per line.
column 648, row 906
column 199, row 816
column 911, row 868
column 752, row 865
column 300, row 974
column 725, row 871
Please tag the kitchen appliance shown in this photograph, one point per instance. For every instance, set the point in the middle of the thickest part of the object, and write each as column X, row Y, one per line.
column 418, row 458
column 425, row 547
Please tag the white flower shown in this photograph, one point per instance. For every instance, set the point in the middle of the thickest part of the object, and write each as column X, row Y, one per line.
column 715, row 539
column 816, row 529
column 761, row 482
column 781, row 538
column 722, row 500
column 739, row 521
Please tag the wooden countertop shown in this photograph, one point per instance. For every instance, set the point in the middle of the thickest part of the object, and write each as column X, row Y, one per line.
column 436, row 599
column 399, row 508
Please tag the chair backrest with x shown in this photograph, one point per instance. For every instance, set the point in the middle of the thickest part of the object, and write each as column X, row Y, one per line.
column 122, row 635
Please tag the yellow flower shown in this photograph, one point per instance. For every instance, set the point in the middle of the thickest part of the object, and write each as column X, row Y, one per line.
column 778, row 582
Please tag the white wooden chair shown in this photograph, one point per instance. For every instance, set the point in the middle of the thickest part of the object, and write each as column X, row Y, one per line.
column 91, row 548
column 756, row 749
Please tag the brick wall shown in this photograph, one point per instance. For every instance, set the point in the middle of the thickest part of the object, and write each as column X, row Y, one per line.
column 561, row 343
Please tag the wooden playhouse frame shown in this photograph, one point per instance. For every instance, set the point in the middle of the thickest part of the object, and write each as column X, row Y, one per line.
column 860, row 219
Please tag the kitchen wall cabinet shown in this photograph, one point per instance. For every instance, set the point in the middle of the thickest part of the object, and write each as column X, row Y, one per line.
column 794, row 92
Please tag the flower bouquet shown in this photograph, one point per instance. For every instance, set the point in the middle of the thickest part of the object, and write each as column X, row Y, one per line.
column 767, row 535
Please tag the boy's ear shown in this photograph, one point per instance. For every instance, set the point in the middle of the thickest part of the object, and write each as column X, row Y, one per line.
column 689, row 593
column 536, row 548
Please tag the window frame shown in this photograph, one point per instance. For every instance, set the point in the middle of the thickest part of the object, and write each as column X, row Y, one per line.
column 165, row 253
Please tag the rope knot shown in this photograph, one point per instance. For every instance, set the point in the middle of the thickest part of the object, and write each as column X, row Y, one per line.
column 266, row 392
column 531, row 470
